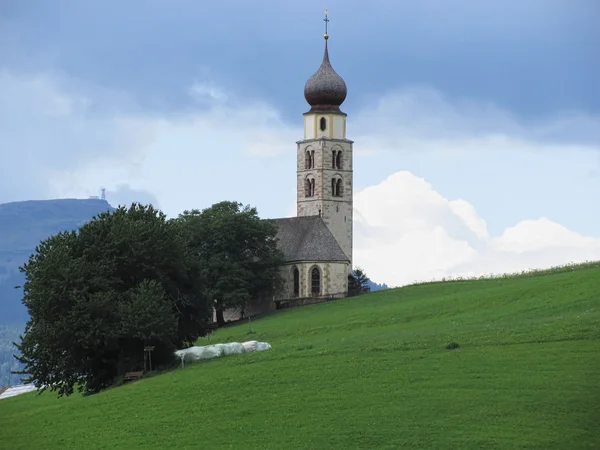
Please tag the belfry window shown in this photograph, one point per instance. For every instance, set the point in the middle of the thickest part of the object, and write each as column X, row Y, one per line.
column 309, row 187
column 323, row 124
column 315, row 281
column 296, row 282
column 309, row 159
column 336, row 159
column 336, row 187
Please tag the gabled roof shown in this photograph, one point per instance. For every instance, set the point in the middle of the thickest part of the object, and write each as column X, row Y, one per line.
column 307, row 239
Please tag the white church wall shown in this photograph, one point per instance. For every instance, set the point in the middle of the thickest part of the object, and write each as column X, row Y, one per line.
column 335, row 126
column 309, row 127
column 339, row 127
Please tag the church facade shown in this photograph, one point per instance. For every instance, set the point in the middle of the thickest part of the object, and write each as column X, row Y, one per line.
column 317, row 243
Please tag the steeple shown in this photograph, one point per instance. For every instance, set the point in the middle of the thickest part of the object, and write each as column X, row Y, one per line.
column 325, row 91
column 324, row 159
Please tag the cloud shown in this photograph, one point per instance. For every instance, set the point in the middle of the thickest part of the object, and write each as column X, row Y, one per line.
column 207, row 91
column 48, row 129
column 65, row 138
column 124, row 195
column 405, row 231
column 421, row 118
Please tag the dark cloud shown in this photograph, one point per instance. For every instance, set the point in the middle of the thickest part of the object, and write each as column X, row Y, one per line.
column 526, row 56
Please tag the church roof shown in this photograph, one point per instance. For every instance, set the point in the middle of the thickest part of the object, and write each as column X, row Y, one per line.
column 325, row 91
column 307, row 239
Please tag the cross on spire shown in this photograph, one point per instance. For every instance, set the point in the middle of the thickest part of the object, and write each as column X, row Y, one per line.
column 326, row 20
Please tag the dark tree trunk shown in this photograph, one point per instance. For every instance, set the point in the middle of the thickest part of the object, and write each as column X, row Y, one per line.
column 220, row 317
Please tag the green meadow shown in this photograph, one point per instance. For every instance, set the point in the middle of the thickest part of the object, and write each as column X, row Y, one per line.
column 369, row 372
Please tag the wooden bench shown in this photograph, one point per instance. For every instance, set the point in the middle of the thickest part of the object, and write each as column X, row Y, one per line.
column 132, row 376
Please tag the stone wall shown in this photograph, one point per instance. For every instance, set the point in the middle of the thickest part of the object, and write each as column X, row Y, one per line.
column 335, row 211
column 334, row 278
column 334, row 282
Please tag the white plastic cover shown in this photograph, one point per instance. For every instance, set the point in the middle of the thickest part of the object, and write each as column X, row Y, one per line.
column 198, row 353
column 250, row 346
column 262, row 346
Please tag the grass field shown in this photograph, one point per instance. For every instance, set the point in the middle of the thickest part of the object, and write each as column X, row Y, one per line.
column 369, row 372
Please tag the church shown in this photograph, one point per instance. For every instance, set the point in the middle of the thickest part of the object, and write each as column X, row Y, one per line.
column 317, row 243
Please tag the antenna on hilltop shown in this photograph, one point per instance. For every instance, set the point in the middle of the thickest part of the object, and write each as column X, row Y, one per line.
column 103, row 194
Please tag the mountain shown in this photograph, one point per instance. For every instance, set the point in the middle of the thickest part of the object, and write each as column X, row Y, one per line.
column 376, row 286
column 22, row 226
column 8, row 364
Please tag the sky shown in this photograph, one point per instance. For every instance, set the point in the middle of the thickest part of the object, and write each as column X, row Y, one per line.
column 476, row 123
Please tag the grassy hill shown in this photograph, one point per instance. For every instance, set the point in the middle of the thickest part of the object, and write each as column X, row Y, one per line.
column 367, row 372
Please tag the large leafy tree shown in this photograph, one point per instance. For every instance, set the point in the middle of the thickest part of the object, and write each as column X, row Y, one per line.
column 237, row 252
column 97, row 296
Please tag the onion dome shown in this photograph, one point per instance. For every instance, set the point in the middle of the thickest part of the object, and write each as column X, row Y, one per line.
column 325, row 91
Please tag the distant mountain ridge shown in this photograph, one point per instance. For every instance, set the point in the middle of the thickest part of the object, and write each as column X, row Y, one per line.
column 22, row 226
column 376, row 286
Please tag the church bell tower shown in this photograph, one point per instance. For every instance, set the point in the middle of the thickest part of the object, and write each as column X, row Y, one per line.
column 324, row 159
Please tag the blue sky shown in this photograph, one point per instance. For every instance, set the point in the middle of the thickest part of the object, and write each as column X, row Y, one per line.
column 182, row 103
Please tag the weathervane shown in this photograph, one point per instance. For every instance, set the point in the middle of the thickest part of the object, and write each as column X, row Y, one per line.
column 326, row 20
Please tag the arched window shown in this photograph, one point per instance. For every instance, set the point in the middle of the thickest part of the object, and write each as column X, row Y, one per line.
column 323, row 124
column 333, row 159
column 309, row 160
column 296, row 282
column 315, row 281
column 338, row 160
column 309, row 187
column 336, row 187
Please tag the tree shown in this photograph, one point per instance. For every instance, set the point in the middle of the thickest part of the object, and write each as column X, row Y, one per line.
column 96, row 297
column 358, row 281
column 237, row 252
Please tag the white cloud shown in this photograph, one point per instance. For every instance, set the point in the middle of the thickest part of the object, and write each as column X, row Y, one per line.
column 72, row 139
column 421, row 119
column 207, row 91
column 47, row 131
column 405, row 231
